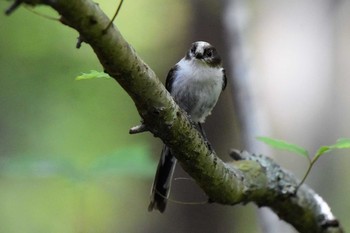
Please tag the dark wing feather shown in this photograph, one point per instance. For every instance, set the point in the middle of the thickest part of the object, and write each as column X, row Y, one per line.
column 170, row 78
column 224, row 83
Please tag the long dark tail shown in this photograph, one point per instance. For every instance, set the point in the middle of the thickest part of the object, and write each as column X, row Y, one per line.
column 162, row 181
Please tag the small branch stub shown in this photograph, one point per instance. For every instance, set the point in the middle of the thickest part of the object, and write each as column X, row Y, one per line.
column 138, row 129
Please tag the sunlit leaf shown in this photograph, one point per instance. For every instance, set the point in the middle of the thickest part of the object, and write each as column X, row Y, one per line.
column 92, row 75
column 342, row 143
column 283, row 145
column 322, row 150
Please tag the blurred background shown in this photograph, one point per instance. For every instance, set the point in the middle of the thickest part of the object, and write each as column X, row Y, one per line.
column 67, row 162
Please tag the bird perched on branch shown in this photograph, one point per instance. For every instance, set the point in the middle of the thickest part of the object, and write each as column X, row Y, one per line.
column 195, row 83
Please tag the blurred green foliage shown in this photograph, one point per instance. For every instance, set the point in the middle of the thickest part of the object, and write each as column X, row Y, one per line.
column 67, row 162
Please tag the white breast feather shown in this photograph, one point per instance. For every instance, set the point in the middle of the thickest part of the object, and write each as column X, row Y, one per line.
column 199, row 82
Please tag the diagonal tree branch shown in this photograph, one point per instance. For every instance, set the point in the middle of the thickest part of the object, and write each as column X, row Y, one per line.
column 250, row 178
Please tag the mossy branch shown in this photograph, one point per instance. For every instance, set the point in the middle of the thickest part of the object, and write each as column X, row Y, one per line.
column 250, row 178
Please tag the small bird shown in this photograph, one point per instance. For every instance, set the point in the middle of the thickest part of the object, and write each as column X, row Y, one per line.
column 195, row 83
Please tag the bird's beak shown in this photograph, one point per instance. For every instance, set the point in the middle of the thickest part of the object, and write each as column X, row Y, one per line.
column 199, row 55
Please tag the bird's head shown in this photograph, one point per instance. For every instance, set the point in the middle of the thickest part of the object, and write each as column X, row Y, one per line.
column 205, row 53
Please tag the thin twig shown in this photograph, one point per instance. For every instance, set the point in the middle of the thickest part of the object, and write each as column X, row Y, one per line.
column 114, row 16
column 40, row 14
column 13, row 7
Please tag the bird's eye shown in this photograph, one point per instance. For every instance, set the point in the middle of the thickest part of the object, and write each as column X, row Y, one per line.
column 208, row 52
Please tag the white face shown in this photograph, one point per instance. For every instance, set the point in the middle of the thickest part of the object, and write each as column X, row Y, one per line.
column 205, row 53
column 201, row 45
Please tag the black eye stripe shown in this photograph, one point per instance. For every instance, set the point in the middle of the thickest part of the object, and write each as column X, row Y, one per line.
column 209, row 52
column 194, row 48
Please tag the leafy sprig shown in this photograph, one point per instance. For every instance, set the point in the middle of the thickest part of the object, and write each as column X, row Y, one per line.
column 342, row 143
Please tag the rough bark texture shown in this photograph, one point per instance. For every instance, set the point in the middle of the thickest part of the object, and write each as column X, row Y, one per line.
column 250, row 178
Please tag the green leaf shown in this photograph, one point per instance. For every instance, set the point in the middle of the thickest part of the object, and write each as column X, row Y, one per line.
column 92, row 75
column 342, row 143
column 283, row 145
column 322, row 150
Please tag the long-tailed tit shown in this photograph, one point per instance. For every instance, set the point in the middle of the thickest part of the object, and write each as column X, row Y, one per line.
column 195, row 83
